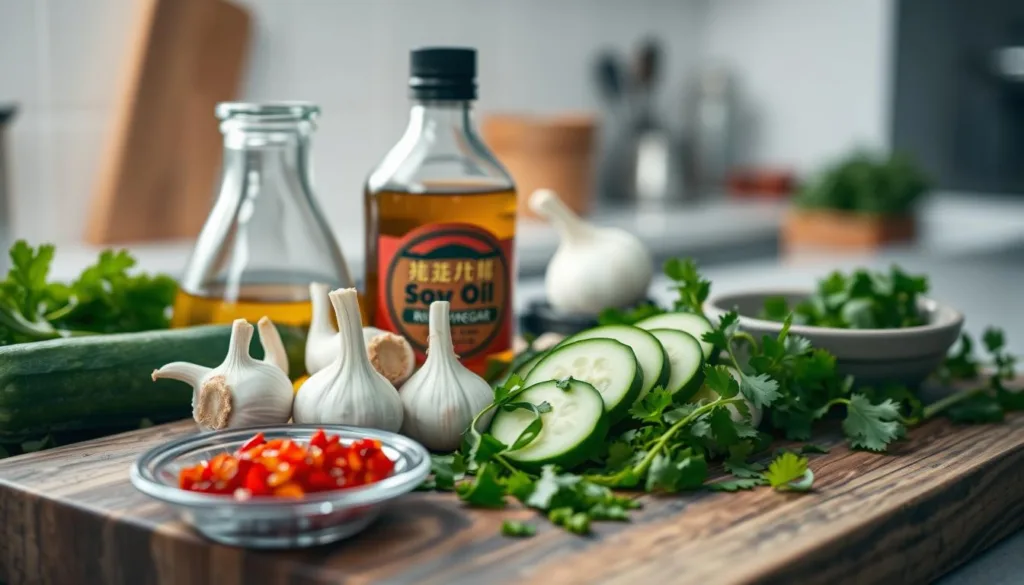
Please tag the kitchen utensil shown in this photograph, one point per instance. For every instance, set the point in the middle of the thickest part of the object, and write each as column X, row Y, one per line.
column 712, row 123
column 545, row 152
column 159, row 171
column 907, row 355
column 641, row 159
column 273, row 522
column 7, row 112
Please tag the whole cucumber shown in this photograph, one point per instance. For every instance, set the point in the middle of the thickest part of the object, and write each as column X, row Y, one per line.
column 103, row 381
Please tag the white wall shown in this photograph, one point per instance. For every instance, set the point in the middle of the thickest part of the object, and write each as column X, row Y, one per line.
column 59, row 59
column 818, row 73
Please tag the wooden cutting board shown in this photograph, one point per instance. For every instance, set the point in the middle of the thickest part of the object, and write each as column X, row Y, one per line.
column 163, row 152
column 70, row 515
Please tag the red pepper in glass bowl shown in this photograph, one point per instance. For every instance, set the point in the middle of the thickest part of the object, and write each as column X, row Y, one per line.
column 283, row 485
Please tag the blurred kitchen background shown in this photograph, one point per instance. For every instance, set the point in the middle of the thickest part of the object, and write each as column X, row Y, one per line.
column 707, row 116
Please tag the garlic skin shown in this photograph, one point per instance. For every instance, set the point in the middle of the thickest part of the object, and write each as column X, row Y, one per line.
column 322, row 341
column 242, row 391
column 443, row 397
column 594, row 267
column 273, row 347
column 349, row 391
column 390, row 354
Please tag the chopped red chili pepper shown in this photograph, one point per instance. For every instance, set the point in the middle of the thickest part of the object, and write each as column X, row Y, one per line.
column 288, row 469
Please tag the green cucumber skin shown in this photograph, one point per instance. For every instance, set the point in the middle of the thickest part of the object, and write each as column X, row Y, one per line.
column 589, row 447
column 663, row 375
column 104, row 381
column 622, row 410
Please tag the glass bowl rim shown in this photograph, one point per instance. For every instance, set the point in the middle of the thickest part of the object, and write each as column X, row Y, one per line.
column 157, row 457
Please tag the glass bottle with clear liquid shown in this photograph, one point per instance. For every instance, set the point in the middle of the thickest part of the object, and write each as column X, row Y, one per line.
column 265, row 239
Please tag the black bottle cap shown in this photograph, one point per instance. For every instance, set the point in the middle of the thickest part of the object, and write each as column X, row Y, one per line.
column 443, row 73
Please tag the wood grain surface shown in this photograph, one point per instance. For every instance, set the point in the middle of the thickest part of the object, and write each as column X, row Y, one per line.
column 70, row 515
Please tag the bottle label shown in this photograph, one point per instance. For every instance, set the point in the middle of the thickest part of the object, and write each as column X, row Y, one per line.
column 455, row 262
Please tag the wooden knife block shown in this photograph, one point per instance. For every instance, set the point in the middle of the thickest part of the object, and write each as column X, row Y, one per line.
column 163, row 153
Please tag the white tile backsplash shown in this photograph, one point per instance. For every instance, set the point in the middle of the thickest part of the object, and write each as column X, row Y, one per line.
column 819, row 83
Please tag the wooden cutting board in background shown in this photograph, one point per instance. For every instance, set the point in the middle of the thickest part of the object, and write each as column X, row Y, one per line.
column 163, row 151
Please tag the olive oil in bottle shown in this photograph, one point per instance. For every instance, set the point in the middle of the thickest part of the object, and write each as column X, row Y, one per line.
column 265, row 239
column 441, row 219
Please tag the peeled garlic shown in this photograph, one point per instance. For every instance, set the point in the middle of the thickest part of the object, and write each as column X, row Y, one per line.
column 389, row 354
column 594, row 267
column 241, row 391
column 349, row 391
column 443, row 397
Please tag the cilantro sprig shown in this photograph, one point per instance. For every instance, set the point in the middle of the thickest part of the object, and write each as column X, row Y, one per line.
column 105, row 298
column 669, row 445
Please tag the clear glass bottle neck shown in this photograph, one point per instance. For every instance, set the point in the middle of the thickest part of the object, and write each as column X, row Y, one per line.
column 437, row 119
column 281, row 155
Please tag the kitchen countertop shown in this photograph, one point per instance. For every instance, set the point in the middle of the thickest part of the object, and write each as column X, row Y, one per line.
column 971, row 247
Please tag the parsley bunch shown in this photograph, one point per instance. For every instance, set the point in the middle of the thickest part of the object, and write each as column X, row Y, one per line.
column 863, row 299
column 669, row 446
column 105, row 298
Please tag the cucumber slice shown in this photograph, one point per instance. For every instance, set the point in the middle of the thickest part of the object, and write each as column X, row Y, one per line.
column 573, row 430
column 685, row 359
column 524, row 370
column 690, row 323
column 607, row 365
column 649, row 353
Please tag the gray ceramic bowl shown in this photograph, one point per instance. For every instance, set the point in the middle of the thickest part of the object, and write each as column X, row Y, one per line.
column 872, row 356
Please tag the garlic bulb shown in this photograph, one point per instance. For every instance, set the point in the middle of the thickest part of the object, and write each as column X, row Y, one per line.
column 389, row 354
column 349, row 391
column 273, row 347
column 594, row 267
column 443, row 397
column 241, row 391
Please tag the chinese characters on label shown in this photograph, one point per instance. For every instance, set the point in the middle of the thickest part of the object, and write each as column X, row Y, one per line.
column 449, row 271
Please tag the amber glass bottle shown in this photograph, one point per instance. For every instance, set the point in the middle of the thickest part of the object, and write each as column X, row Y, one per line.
column 441, row 218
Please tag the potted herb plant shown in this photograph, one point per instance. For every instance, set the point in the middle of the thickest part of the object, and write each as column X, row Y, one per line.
column 863, row 202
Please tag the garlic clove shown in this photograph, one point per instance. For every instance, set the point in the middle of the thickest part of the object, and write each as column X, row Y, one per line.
column 349, row 390
column 443, row 397
column 593, row 267
column 241, row 391
column 390, row 354
column 322, row 339
column 273, row 347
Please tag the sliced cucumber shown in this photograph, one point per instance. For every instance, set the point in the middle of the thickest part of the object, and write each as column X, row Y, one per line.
column 649, row 353
column 573, row 430
column 607, row 365
column 690, row 323
column 524, row 370
column 685, row 359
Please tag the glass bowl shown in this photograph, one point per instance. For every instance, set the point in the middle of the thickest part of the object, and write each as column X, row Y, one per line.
column 317, row 518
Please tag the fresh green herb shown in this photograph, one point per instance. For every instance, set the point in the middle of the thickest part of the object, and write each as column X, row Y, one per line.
column 863, row 299
column 990, row 402
column 518, row 529
column 735, row 485
column 691, row 287
column 866, row 183
column 789, row 472
column 668, row 445
column 613, row 316
column 105, row 298
column 813, row 449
